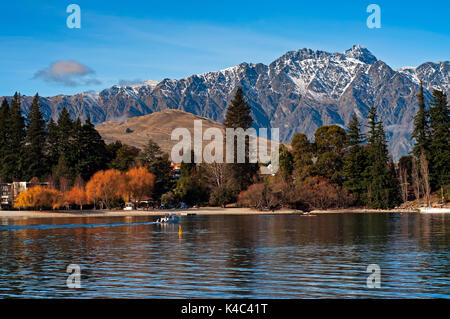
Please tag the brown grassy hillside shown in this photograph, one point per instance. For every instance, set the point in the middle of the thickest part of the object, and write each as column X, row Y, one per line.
column 158, row 126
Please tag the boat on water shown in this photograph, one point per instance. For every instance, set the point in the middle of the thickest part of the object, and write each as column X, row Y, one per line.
column 307, row 214
column 434, row 210
column 188, row 214
column 170, row 218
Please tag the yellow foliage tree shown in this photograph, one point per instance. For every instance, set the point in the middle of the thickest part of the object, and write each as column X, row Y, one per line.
column 92, row 188
column 39, row 197
column 105, row 186
column 77, row 195
column 139, row 183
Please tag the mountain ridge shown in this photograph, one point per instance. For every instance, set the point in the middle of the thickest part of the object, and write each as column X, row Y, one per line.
column 298, row 92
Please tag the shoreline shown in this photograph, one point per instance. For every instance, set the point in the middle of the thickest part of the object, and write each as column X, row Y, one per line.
column 197, row 211
column 365, row 211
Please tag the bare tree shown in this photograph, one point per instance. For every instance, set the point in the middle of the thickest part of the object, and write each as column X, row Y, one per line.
column 64, row 184
column 216, row 173
column 51, row 182
column 403, row 176
column 425, row 177
column 79, row 182
column 415, row 178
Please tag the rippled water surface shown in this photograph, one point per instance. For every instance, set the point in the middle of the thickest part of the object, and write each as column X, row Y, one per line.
column 266, row 256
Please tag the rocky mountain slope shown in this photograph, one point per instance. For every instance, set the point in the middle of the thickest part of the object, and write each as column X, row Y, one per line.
column 298, row 92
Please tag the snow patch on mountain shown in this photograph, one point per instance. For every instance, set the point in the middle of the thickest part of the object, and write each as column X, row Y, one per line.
column 298, row 92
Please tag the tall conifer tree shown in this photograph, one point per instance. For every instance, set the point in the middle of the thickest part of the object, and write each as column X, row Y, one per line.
column 238, row 112
column 286, row 162
column 158, row 164
column 92, row 151
column 35, row 164
column 12, row 162
column 440, row 141
column 239, row 116
column 4, row 112
column 52, row 144
column 65, row 146
column 355, row 162
column 421, row 133
column 65, row 132
column 381, row 182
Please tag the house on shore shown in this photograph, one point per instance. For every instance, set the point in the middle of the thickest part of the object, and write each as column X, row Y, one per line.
column 10, row 191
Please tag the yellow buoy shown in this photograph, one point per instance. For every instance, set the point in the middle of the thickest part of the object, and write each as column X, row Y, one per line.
column 179, row 231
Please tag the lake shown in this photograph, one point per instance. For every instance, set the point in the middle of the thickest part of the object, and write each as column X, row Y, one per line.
column 243, row 256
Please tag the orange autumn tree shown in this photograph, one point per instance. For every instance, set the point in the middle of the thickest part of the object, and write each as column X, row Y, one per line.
column 106, row 186
column 25, row 199
column 93, row 187
column 139, row 183
column 39, row 197
column 77, row 195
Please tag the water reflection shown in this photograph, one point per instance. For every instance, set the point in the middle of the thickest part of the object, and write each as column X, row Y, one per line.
column 227, row 256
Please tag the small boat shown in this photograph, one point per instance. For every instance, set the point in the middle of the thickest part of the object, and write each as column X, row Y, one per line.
column 188, row 214
column 306, row 214
column 169, row 219
column 434, row 210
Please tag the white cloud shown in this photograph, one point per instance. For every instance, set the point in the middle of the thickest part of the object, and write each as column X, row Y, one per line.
column 69, row 73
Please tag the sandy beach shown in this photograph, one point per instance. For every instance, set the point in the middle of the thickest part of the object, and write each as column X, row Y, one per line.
column 198, row 211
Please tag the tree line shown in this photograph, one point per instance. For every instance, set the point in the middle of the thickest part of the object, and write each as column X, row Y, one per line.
column 427, row 169
column 59, row 151
column 350, row 168
column 105, row 189
column 339, row 168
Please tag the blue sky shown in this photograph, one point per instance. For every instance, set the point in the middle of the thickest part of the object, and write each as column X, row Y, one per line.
column 128, row 41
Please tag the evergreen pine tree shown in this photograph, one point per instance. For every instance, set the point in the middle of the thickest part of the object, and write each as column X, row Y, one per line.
column 65, row 132
column 15, row 124
column 421, row 133
column 4, row 111
column 191, row 188
column 355, row 162
column 382, row 143
column 125, row 158
column 381, row 182
column 158, row 164
column 34, row 161
column 286, row 162
column 238, row 116
column 74, row 153
column 440, row 141
column 187, row 169
column 372, row 125
column 238, row 112
column 354, row 132
column 92, row 151
column 52, row 144
column 62, row 169
column 65, row 145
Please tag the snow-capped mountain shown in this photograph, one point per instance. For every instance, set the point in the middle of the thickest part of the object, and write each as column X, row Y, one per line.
column 298, row 92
